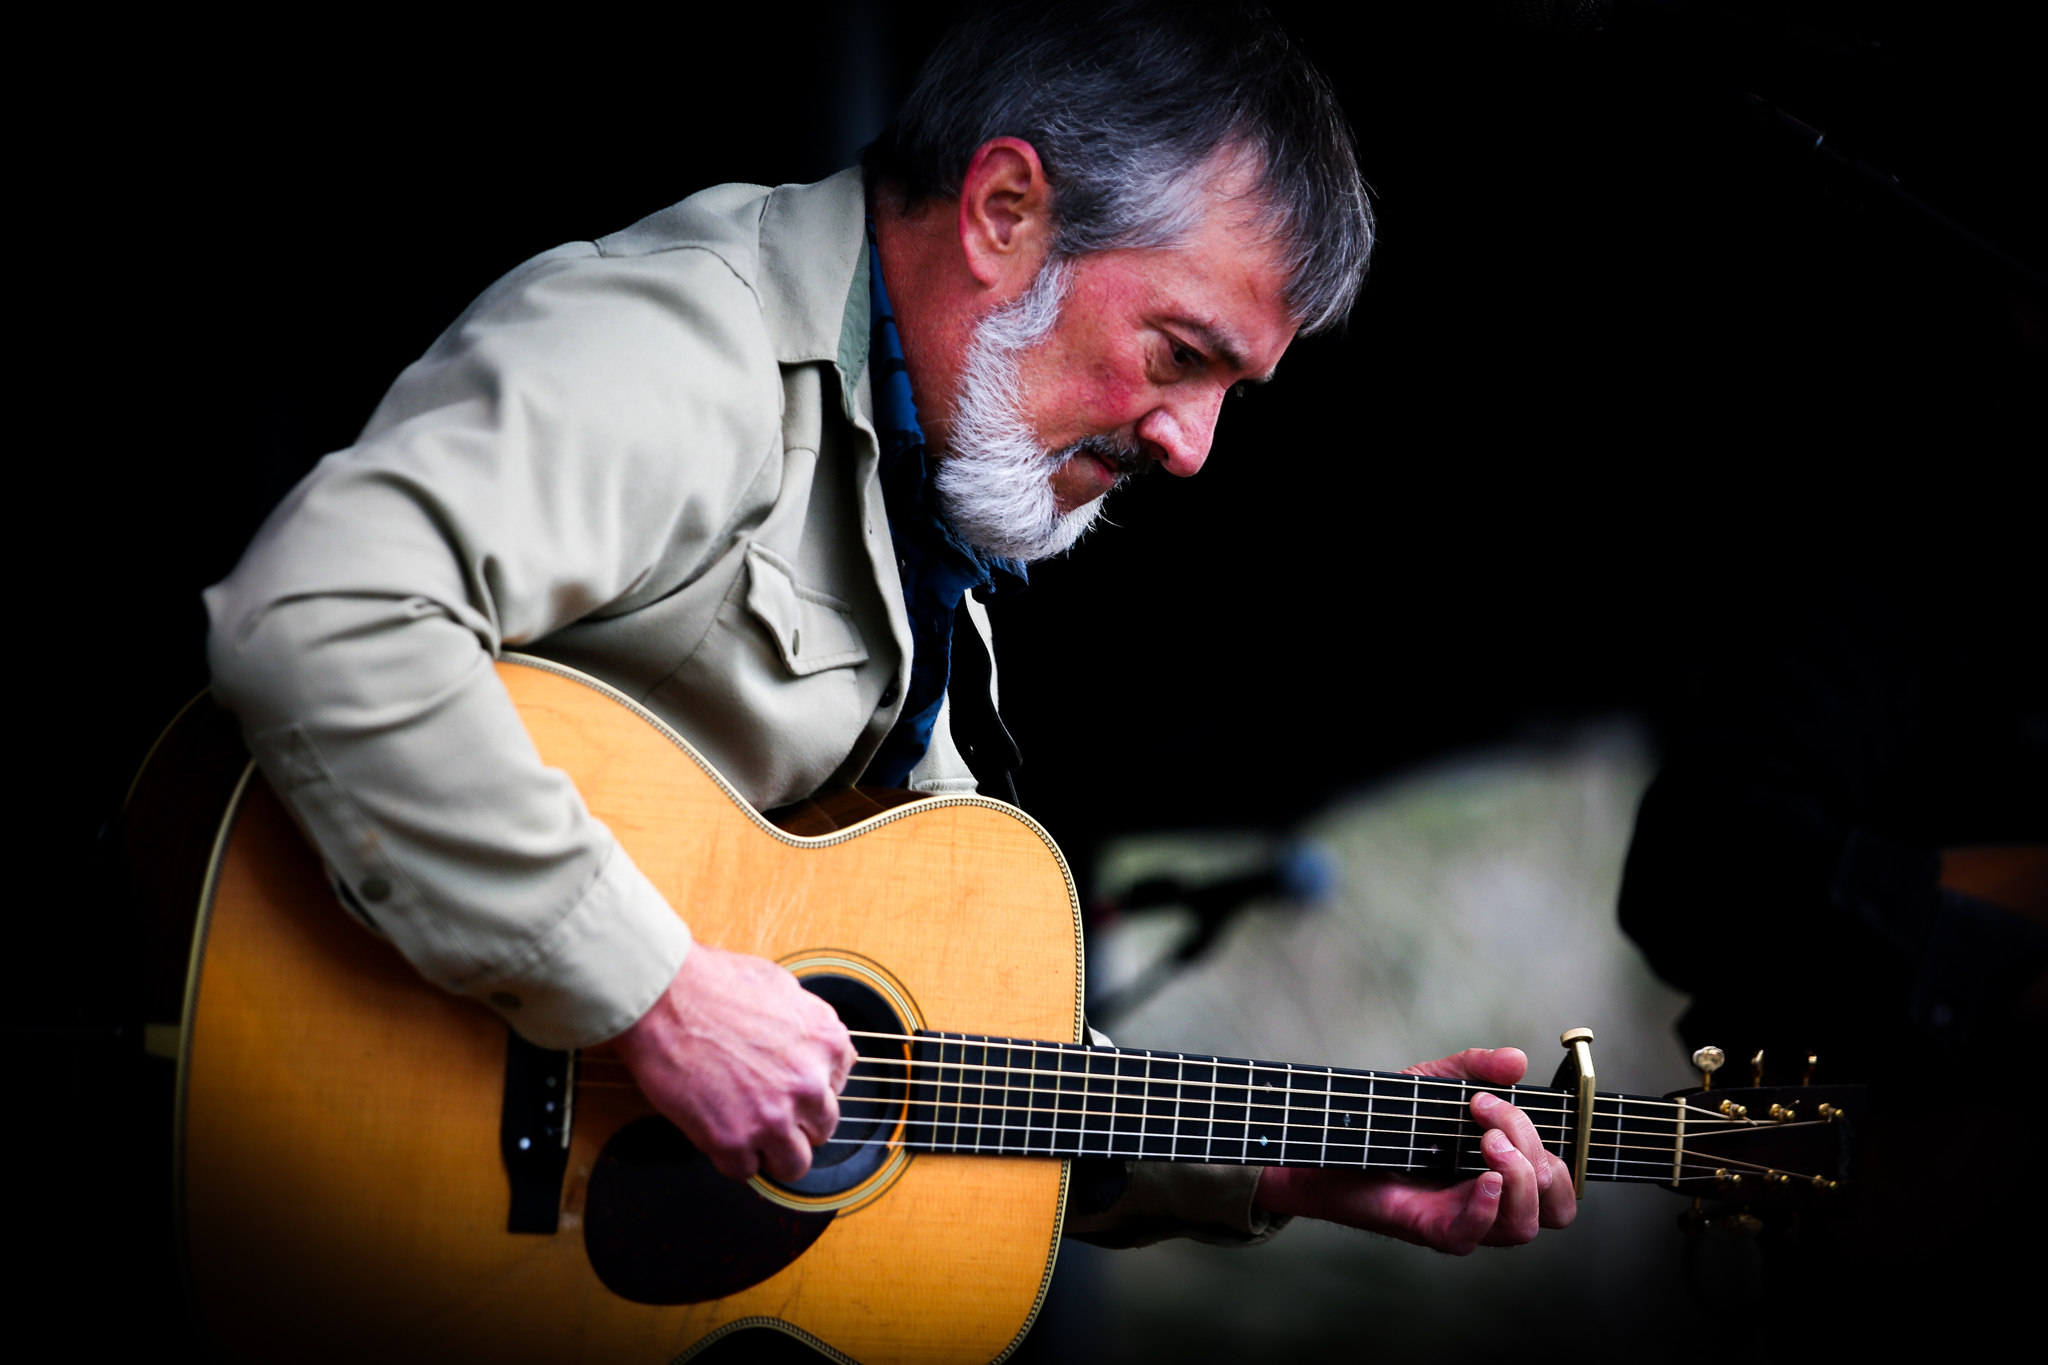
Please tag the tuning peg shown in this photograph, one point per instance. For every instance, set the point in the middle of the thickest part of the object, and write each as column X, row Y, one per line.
column 1830, row 1113
column 1783, row 1113
column 1709, row 1060
column 1756, row 1069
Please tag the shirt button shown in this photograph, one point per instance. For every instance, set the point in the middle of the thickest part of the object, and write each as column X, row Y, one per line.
column 889, row 695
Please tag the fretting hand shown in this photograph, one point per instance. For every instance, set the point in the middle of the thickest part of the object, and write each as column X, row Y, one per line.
column 1527, row 1187
column 745, row 1061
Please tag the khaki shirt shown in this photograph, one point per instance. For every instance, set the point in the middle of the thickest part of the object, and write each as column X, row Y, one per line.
column 650, row 457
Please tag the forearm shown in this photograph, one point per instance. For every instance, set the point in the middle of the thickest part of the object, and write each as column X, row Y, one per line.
column 1158, row 1200
column 382, row 724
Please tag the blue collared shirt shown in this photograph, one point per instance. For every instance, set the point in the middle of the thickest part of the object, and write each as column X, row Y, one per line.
column 938, row 567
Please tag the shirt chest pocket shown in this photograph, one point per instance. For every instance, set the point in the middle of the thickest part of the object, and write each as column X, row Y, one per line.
column 813, row 631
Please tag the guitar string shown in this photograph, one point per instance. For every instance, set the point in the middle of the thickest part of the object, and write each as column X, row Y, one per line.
column 1085, row 1050
column 1662, row 1167
column 1323, row 1137
column 964, row 1147
column 1276, row 1092
column 1324, row 1132
column 1054, row 1132
column 1607, row 1105
column 1693, row 1114
column 1455, row 1116
column 987, row 1068
column 1608, row 1138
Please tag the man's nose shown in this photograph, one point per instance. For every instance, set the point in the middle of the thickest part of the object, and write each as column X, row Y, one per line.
column 1179, row 435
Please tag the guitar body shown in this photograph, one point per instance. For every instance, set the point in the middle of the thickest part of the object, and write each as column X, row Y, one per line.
column 340, row 1180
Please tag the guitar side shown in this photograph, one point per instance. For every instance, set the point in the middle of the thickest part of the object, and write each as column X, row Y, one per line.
column 342, row 1191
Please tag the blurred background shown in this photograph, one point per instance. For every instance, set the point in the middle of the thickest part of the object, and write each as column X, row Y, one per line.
column 1638, row 391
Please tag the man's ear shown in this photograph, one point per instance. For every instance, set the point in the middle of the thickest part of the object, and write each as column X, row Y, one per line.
column 1005, row 215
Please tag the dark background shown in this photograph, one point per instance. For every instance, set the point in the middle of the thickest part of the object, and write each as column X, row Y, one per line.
column 1634, row 384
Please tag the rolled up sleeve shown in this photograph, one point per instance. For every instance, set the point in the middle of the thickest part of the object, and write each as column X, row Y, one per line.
column 586, row 419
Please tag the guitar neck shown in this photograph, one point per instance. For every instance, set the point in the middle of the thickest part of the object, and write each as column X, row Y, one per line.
column 1014, row 1097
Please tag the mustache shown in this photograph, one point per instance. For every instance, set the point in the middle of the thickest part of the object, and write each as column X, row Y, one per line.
column 1127, row 458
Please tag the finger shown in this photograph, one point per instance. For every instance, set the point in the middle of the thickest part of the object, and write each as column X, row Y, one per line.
column 1495, row 1112
column 734, row 1163
column 1560, row 1202
column 1469, row 1226
column 842, row 1065
column 817, row 1115
column 1517, row 1220
column 1493, row 1065
column 785, row 1154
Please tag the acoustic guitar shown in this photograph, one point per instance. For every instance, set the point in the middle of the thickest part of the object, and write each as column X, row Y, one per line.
column 370, row 1169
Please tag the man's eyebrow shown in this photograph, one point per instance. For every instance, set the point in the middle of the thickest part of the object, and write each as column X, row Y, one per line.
column 1222, row 345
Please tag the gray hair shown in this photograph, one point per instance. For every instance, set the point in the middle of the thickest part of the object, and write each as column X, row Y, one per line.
column 1132, row 106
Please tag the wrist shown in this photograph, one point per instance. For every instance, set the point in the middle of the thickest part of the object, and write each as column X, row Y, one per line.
column 1275, row 1193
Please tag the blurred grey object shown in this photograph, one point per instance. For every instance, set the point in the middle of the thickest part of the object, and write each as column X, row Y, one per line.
column 1474, row 906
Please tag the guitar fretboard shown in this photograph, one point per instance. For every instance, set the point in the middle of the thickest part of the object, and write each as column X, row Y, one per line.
column 1017, row 1097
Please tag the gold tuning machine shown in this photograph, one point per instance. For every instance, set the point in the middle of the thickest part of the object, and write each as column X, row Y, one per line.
column 1783, row 1113
column 1709, row 1060
column 1830, row 1113
column 1756, row 1069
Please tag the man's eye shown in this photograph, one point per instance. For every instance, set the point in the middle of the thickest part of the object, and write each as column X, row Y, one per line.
column 1186, row 358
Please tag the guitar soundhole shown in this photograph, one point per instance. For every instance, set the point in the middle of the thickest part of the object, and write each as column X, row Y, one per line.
column 872, row 1102
column 661, row 1225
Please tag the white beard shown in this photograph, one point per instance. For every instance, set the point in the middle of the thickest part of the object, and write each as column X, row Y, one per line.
column 995, row 479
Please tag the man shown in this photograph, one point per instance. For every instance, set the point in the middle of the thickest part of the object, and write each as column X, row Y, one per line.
column 749, row 461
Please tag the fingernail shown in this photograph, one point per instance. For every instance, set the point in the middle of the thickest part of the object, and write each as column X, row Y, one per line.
column 1543, row 1175
column 1485, row 1103
column 1496, row 1142
column 1489, row 1185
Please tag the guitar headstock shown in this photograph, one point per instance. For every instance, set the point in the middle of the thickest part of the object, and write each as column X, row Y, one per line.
column 1770, row 1145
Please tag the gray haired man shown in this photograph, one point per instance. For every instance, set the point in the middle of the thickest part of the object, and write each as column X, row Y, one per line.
column 749, row 461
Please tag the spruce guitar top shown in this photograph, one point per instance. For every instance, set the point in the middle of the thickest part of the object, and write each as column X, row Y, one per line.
column 368, row 1168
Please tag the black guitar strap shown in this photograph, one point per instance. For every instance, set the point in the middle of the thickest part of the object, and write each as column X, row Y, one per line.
column 984, row 741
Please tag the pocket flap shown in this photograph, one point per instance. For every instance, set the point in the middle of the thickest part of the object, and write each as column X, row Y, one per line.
column 813, row 631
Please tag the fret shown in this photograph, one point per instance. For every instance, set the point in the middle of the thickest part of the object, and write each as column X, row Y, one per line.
column 1071, row 1092
column 1391, row 1115
column 1439, row 1128
column 991, row 1112
column 1307, row 1116
column 1350, row 1129
column 1100, row 1089
column 1634, row 1139
column 1041, row 1101
column 1266, row 1105
column 1230, row 1122
column 1192, row 1091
